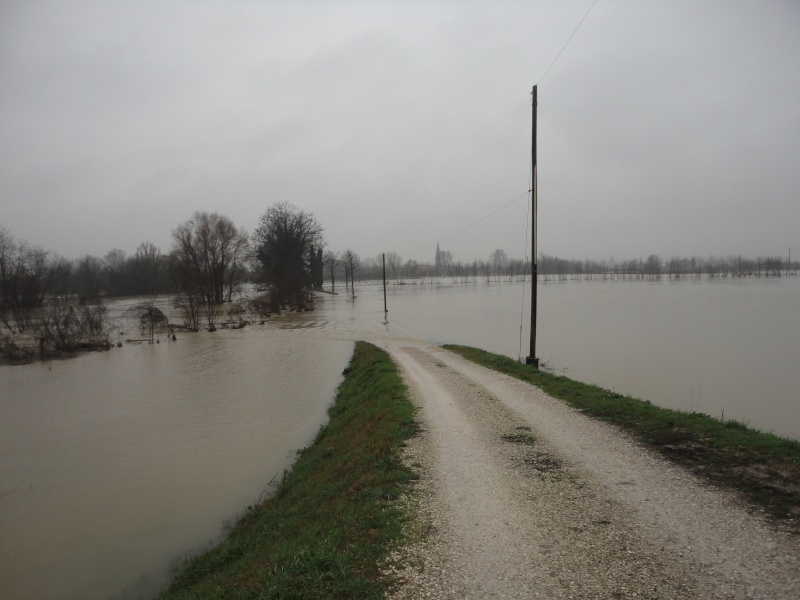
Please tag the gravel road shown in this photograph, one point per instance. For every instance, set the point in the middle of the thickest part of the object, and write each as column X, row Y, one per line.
column 523, row 497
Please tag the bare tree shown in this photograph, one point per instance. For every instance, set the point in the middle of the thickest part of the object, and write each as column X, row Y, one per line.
column 351, row 262
column 412, row 269
column 652, row 267
column 113, row 271
column 239, row 256
column 445, row 262
column 188, row 298
column 88, row 275
column 144, row 268
column 498, row 261
column 394, row 261
column 331, row 261
column 26, row 273
column 208, row 254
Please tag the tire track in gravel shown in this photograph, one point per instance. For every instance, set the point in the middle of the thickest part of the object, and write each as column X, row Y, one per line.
column 525, row 498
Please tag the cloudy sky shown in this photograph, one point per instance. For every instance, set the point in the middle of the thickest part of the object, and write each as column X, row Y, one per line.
column 667, row 127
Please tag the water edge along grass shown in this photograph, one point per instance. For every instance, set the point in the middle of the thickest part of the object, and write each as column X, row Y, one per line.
column 335, row 516
column 764, row 467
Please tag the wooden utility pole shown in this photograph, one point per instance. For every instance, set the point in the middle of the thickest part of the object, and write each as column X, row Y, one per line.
column 385, row 310
column 531, row 359
column 352, row 278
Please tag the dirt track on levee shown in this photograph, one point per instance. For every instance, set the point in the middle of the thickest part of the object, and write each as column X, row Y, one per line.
column 523, row 497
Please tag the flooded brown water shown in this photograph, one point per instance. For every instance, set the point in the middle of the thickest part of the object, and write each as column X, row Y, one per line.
column 724, row 346
column 113, row 465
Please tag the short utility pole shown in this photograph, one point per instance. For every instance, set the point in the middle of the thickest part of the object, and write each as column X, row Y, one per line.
column 531, row 359
column 385, row 309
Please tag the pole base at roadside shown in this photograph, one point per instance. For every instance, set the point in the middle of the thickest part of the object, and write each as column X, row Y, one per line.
column 532, row 360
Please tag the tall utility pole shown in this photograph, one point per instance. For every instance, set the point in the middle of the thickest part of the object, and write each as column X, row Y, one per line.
column 531, row 359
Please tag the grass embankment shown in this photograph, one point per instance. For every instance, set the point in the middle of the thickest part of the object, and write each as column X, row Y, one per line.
column 329, row 526
column 762, row 466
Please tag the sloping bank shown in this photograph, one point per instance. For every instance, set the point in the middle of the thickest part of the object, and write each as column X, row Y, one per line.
column 328, row 528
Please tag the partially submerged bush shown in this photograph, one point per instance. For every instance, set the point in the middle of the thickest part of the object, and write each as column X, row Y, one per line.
column 263, row 306
column 64, row 326
column 148, row 318
column 238, row 312
column 60, row 327
column 16, row 350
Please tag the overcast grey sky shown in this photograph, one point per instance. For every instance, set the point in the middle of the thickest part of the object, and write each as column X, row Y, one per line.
column 668, row 127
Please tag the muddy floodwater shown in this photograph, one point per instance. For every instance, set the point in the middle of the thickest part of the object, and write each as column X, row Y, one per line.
column 114, row 465
column 723, row 346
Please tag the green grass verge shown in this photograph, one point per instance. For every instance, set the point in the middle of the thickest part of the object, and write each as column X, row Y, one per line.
column 329, row 526
column 762, row 466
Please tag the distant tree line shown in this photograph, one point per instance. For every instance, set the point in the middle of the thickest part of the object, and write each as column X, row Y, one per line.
column 57, row 301
column 676, row 267
column 498, row 266
column 29, row 275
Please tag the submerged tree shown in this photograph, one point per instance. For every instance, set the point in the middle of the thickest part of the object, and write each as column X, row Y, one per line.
column 351, row 262
column 331, row 260
column 284, row 243
column 207, row 258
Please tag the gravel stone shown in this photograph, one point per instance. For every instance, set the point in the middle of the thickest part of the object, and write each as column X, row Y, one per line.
column 521, row 496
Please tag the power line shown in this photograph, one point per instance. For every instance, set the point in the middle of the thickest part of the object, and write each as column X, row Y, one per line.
column 468, row 227
column 529, row 191
column 568, row 41
column 486, row 217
